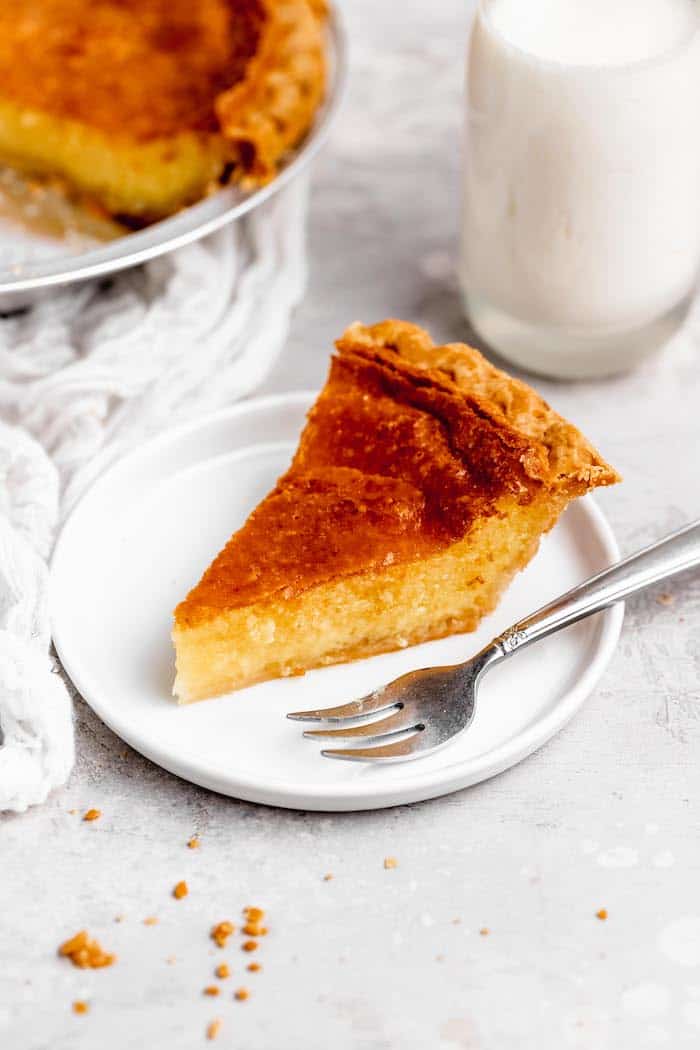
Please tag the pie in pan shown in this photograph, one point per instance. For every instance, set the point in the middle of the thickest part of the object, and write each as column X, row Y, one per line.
column 143, row 106
column 422, row 483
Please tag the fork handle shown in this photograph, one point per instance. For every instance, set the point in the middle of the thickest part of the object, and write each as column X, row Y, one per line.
column 665, row 558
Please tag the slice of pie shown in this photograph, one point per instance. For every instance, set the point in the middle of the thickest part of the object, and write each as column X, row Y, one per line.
column 423, row 482
column 142, row 105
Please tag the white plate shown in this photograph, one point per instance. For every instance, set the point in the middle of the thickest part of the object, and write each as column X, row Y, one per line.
column 147, row 528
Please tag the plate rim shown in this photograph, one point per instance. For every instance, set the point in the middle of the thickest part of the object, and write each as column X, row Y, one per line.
column 199, row 219
column 352, row 796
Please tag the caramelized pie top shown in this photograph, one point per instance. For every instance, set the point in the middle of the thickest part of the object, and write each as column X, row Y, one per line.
column 152, row 66
column 250, row 70
column 406, row 448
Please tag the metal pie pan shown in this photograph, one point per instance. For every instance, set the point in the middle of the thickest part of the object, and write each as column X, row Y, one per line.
column 23, row 279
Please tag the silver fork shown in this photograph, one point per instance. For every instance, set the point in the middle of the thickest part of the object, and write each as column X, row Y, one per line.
column 425, row 709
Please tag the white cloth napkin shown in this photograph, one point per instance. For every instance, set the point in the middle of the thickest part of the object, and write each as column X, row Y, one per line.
column 86, row 374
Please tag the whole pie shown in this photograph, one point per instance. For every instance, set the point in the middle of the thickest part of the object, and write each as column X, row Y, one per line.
column 143, row 105
column 422, row 483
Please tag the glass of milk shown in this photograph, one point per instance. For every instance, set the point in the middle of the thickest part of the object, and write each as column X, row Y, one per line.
column 581, row 228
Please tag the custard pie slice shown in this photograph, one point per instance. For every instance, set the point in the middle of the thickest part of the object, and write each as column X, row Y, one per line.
column 143, row 105
column 422, row 483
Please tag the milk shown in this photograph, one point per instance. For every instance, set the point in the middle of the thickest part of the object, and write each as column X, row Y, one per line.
column 581, row 232
column 593, row 32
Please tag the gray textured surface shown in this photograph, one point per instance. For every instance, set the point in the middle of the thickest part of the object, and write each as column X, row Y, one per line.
column 605, row 815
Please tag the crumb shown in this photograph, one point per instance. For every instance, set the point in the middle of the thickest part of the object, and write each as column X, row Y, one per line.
column 328, row 876
column 251, row 929
column 213, row 1029
column 249, row 946
column 211, row 989
column 92, row 814
column 150, row 920
column 390, row 862
column 119, row 918
column 221, row 932
column 254, row 914
column 254, row 967
column 222, row 971
column 602, row 914
column 85, row 953
column 80, row 1007
column 241, row 994
column 665, row 599
column 180, row 890
column 484, row 931
column 193, row 843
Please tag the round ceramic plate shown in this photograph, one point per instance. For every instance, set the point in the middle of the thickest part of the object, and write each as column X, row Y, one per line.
column 140, row 538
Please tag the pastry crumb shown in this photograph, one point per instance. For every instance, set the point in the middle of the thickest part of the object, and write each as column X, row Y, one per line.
column 92, row 814
column 222, row 971
column 221, row 932
column 664, row 599
column 213, row 1029
column 150, row 920
column 211, row 989
column 249, row 946
column 390, row 862
column 85, row 952
column 251, row 929
column 80, row 1006
column 254, row 914
column 484, row 931
column 328, row 876
column 193, row 843
column 254, row 967
column 602, row 914
column 241, row 994
column 180, row 890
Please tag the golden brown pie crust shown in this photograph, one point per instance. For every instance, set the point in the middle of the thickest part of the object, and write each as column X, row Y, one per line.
column 270, row 109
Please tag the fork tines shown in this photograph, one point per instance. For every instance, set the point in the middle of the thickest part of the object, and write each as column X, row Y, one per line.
column 376, row 719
